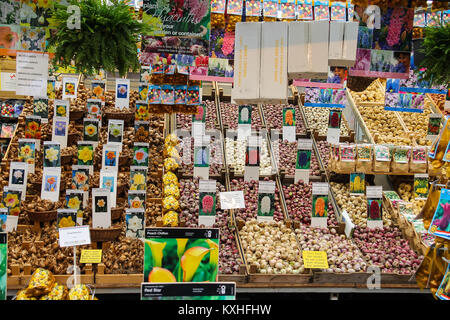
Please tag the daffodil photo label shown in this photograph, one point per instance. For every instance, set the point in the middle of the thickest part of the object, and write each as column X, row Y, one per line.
column 61, row 108
column 69, row 88
column 85, row 153
column 135, row 221
column 52, row 154
column 138, row 178
column 181, row 255
column 66, row 218
column 90, row 130
column 115, row 131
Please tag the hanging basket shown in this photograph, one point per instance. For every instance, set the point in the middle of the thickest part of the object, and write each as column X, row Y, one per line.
column 76, row 115
column 109, row 234
column 359, row 84
column 126, row 116
column 42, row 216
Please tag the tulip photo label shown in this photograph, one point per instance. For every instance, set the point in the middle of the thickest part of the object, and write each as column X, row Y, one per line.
column 181, row 255
column 244, row 122
column 266, row 200
column 51, row 179
column 252, row 158
column 188, row 291
column 289, row 124
column 303, row 161
column 334, row 126
column 374, row 195
column 320, row 198
column 198, row 121
column 207, row 202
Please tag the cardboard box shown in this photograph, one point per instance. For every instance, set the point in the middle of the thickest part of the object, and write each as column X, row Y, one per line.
column 335, row 43
column 274, row 62
column 247, row 57
column 350, row 44
column 318, row 35
column 299, row 61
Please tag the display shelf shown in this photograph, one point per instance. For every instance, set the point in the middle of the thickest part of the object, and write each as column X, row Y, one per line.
column 359, row 120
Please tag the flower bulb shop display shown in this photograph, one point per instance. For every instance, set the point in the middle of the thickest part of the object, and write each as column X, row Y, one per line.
column 317, row 119
column 216, row 163
column 124, row 256
column 373, row 94
column 385, row 248
column 342, row 254
column 271, row 247
column 250, row 189
column 235, row 157
column 324, row 151
column 184, row 121
column 230, row 113
column 285, row 154
column 298, row 198
column 273, row 116
column 356, row 206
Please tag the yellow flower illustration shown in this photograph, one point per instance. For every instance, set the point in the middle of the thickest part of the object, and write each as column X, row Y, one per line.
column 66, row 222
column 70, row 88
column 98, row 90
column 90, row 130
column 61, row 111
column 138, row 178
column 14, row 211
column 11, row 200
column 51, row 154
column 101, row 203
column 157, row 251
column 85, row 154
column 26, row 151
column 161, row 275
column 191, row 260
column 74, row 203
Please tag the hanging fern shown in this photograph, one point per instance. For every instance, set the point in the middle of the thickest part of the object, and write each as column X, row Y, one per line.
column 106, row 40
column 436, row 49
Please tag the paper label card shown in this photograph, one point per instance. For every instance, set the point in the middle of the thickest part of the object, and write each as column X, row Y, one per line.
column 110, row 157
column 91, row 256
column 94, row 110
column 3, row 264
column 11, row 223
column 140, row 154
column 440, row 224
column 138, row 178
column 115, row 132
column 420, row 186
column 33, row 127
column 303, row 165
column 52, row 154
column 266, row 206
column 18, row 174
column 85, row 153
column 334, row 126
column 357, row 183
column 69, row 88
column 51, row 88
column 135, row 221
column 40, row 109
column 98, row 89
column 80, row 178
column 75, row 201
column 51, row 179
column 207, row 211
column 11, row 199
column 91, row 130
column 66, row 218
column 61, row 108
column 101, row 208
column 374, row 191
column 200, row 116
column 122, row 93
column 108, row 180
column 74, row 236
column 142, row 111
column 136, row 199
column 60, row 130
column 32, row 74
column 319, row 211
column 201, row 156
column 141, row 131
column 434, row 126
column 232, row 200
column 244, row 122
column 374, row 213
column 3, row 219
column 315, row 259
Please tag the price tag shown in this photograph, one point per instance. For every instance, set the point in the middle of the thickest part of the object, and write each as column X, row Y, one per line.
column 91, row 256
column 303, row 160
column 266, row 200
column 320, row 188
column 315, row 259
column 232, row 200
column 74, row 236
column 349, row 226
column 374, row 191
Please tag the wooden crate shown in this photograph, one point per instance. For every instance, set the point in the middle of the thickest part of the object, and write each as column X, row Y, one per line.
column 280, row 278
column 331, row 277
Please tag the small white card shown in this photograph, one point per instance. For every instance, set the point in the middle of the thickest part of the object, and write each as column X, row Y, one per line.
column 374, row 191
column 244, row 131
column 60, row 130
column 108, row 180
column 207, row 186
column 101, row 208
column 289, row 133
column 18, row 173
column 110, row 157
column 122, row 93
column 232, row 200
column 333, row 135
column 320, row 188
column 251, row 173
column 11, row 223
column 198, row 129
column 69, row 87
column 115, row 132
column 74, row 236
column 266, row 187
column 51, row 179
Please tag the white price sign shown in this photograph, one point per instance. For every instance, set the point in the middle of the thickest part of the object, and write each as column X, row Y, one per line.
column 232, row 200
column 266, row 187
column 374, row 191
column 320, row 188
column 304, row 144
column 74, row 236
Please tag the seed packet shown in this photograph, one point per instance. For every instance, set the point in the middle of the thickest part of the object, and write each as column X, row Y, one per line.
column 443, row 291
column 350, row 11
column 218, row 6
column 400, row 163
column 170, row 68
column 33, row 127
column 253, row 8
column 7, row 130
column 40, row 109
column 287, row 9
column 154, row 94
column 418, row 162
column 141, row 131
column 270, row 8
column 338, row 11
column 158, row 67
column 143, row 91
column 439, row 145
column 321, row 10
column 145, row 74
column 142, row 112
column 304, row 10
column 180, row 94
column 193, row 96
column 433, row 18
column 347, row 157
column 419, row 19
column 364, row 158
column 167, row 94
column 138, row 178
column 235, row 7
column 440, row 224
column 382, row 158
